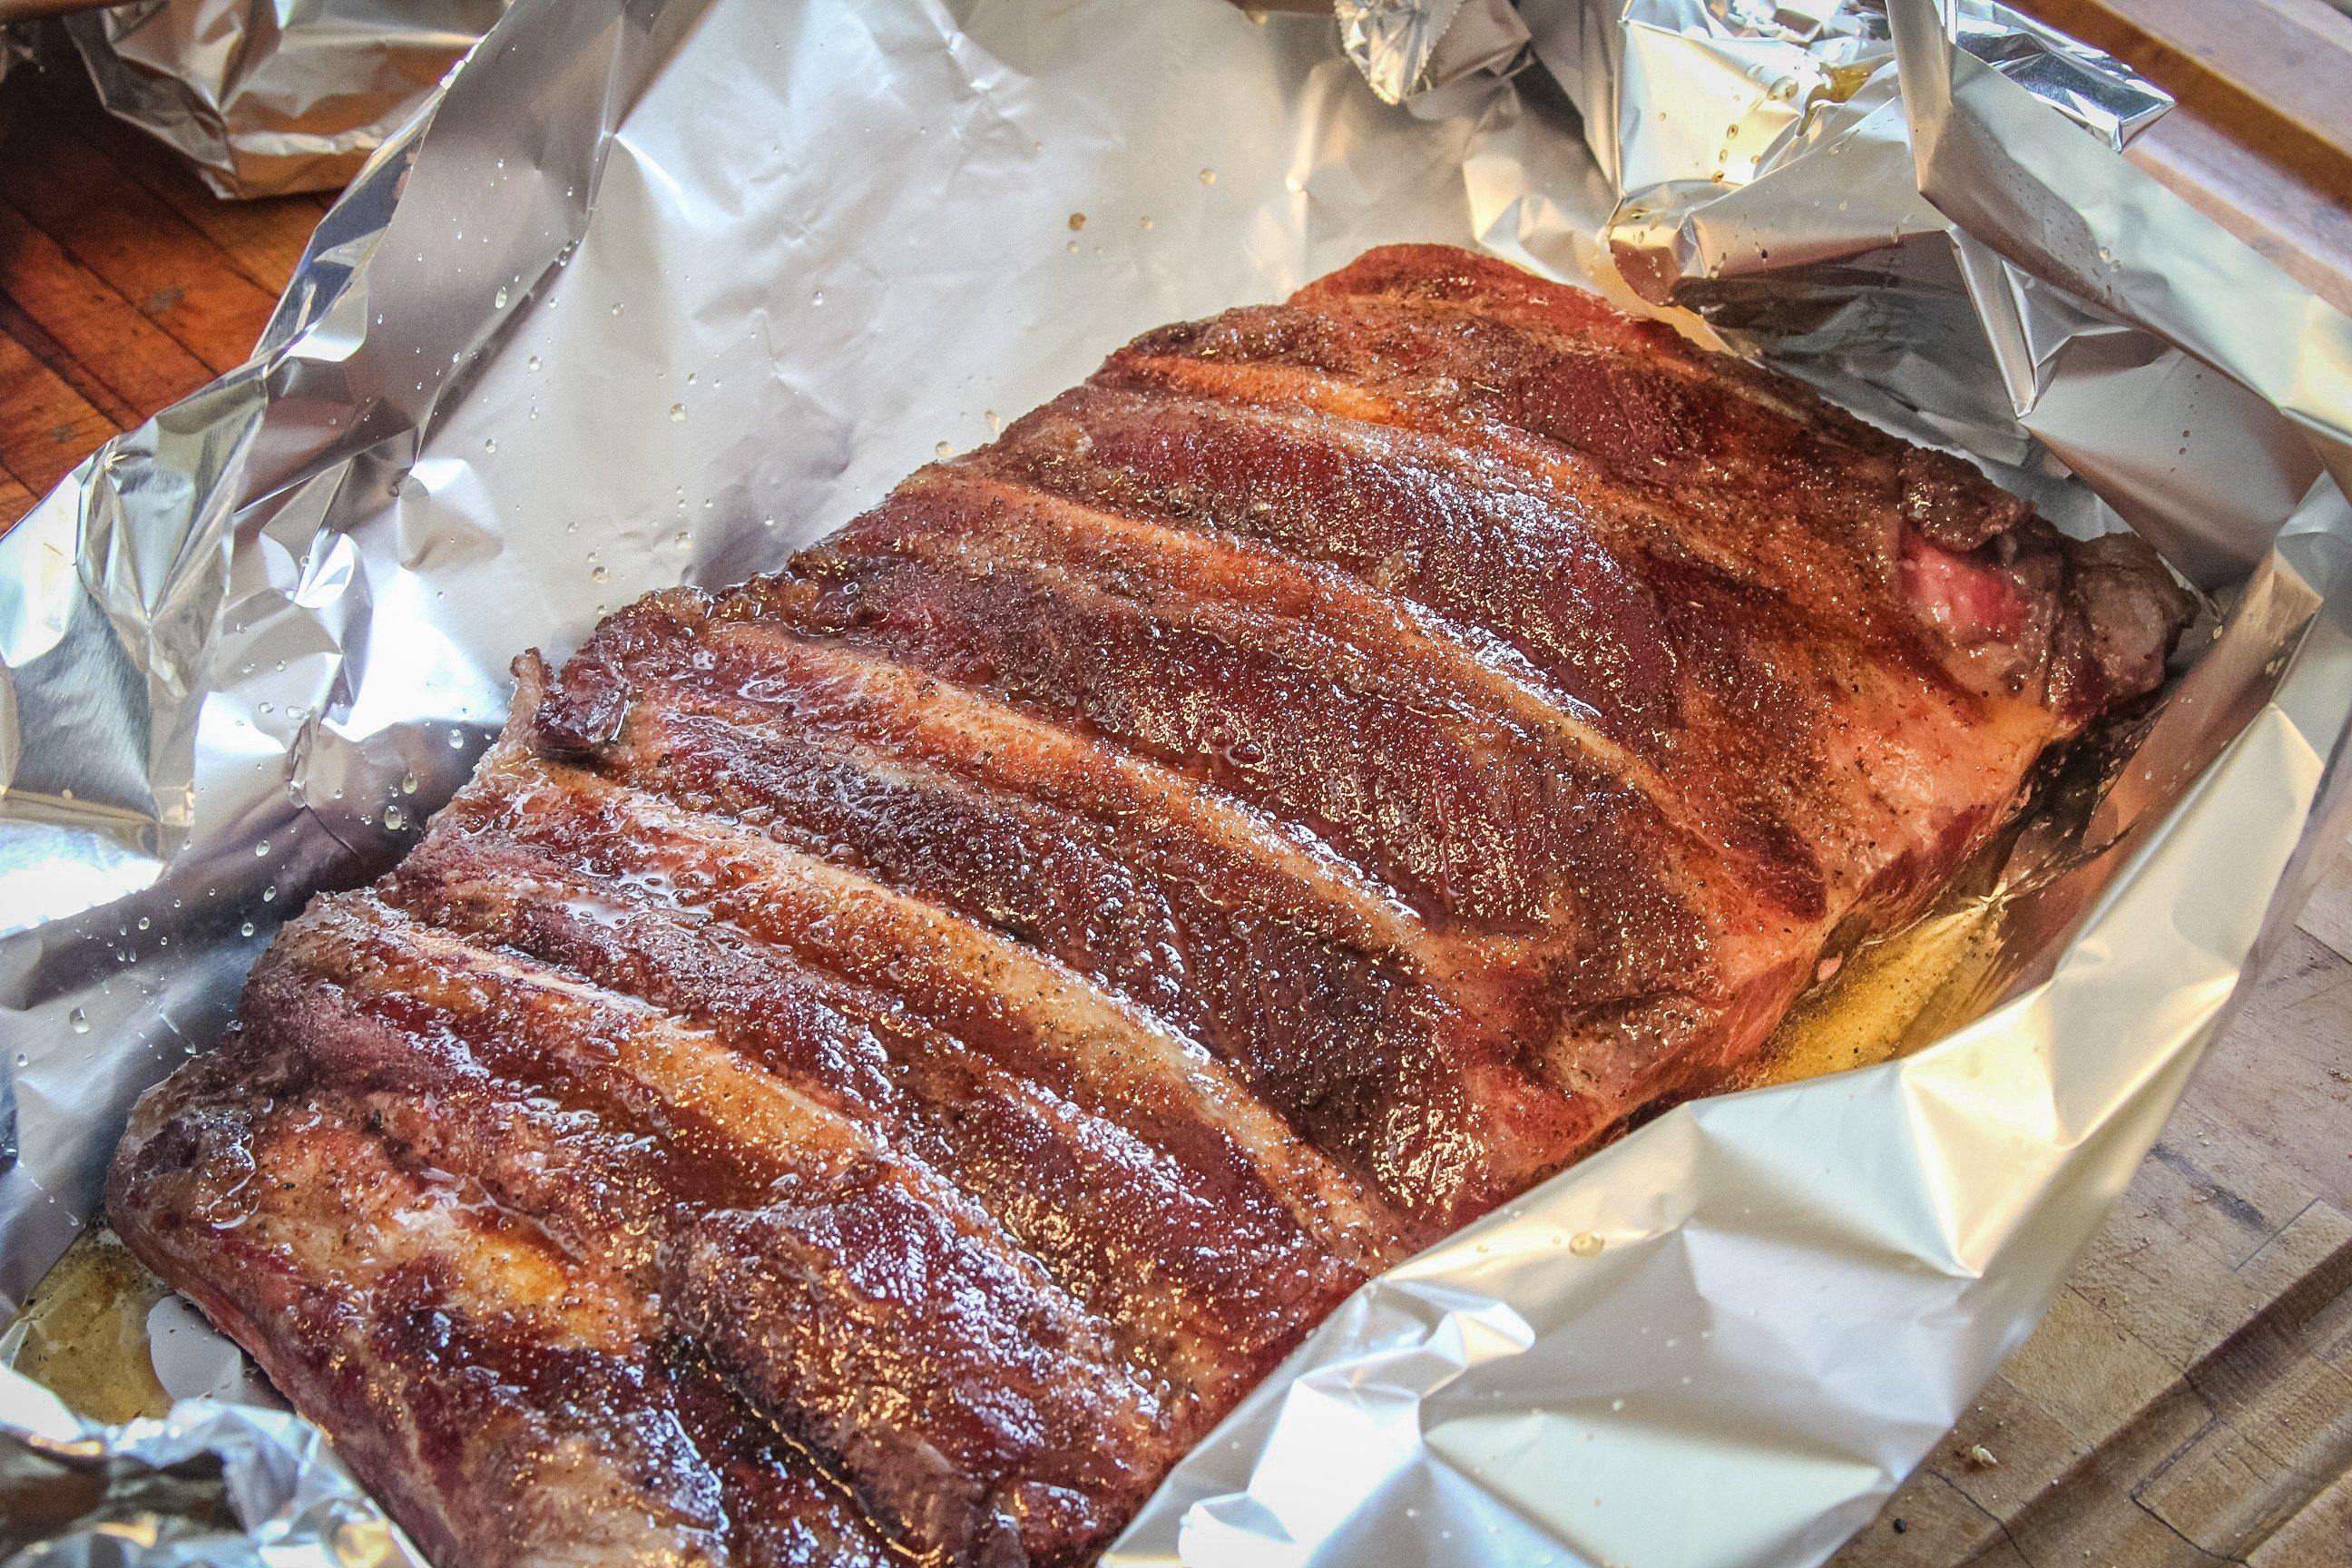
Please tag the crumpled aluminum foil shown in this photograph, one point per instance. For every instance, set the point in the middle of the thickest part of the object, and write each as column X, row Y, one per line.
column 561, row 345
column 1407, row 48
column 1774, row 196
column 266, row 96
column 210, row 1485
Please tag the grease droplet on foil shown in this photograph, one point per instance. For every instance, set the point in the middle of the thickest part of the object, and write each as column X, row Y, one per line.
column 1208, row 176
column 677, row 413
column 269, row 894
column 394, row 819
column 261, row 850
column 245, row 930
column 1584, row 1243
column 489, row 444
column 498, row 299
column 79, row 1021
column 533, row 362
column 456, row 740
column 944, row 451
column 1143, row 223
column 1078, row 222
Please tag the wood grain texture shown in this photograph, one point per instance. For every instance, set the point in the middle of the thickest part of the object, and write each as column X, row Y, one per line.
column 124, row 285
column 136, row 361
column 2189, row 1398
column 55, row 175
column 45, row 426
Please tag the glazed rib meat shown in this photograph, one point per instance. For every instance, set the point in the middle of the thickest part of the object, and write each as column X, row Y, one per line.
column 879, row 1060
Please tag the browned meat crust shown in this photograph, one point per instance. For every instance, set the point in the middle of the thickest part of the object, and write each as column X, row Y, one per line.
column 879, row 1060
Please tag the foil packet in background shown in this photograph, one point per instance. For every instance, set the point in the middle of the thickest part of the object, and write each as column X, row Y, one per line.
column 663, row 289
column 268, row 97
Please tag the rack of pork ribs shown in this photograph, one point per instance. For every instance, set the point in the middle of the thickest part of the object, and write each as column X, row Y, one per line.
column 879, row 1060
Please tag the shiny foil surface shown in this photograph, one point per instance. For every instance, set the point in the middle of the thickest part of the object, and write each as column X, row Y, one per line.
column 270, row 96
column 661, row 290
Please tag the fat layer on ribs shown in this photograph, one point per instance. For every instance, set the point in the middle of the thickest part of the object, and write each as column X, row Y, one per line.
column 879, row 1060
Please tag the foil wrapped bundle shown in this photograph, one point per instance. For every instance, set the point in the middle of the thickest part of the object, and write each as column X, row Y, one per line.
column 561, row 343
column 268, row 97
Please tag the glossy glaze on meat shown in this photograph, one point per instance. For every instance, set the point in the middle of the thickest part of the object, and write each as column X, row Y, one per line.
column 879, row 1060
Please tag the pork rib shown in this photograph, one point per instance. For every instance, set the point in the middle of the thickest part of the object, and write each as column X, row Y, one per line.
column 879, row 1060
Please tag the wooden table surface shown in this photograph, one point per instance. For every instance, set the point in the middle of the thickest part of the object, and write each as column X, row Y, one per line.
column 124, row 283
column 2188, row 1401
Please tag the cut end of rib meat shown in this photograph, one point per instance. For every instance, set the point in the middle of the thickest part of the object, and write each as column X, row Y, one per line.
column 879, row 1060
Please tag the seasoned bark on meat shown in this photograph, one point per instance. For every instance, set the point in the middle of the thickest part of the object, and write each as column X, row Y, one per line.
column 878, row 1061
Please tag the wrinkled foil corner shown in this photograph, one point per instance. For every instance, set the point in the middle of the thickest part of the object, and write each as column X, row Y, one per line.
column 266, row 97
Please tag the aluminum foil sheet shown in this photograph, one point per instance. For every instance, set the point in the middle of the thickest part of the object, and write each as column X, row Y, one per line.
column 270, row 96
column 210, row 1484
column 564, row 342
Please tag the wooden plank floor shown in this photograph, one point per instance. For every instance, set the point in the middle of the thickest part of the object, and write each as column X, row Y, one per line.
column 124, row 284
column 2189, row 1400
